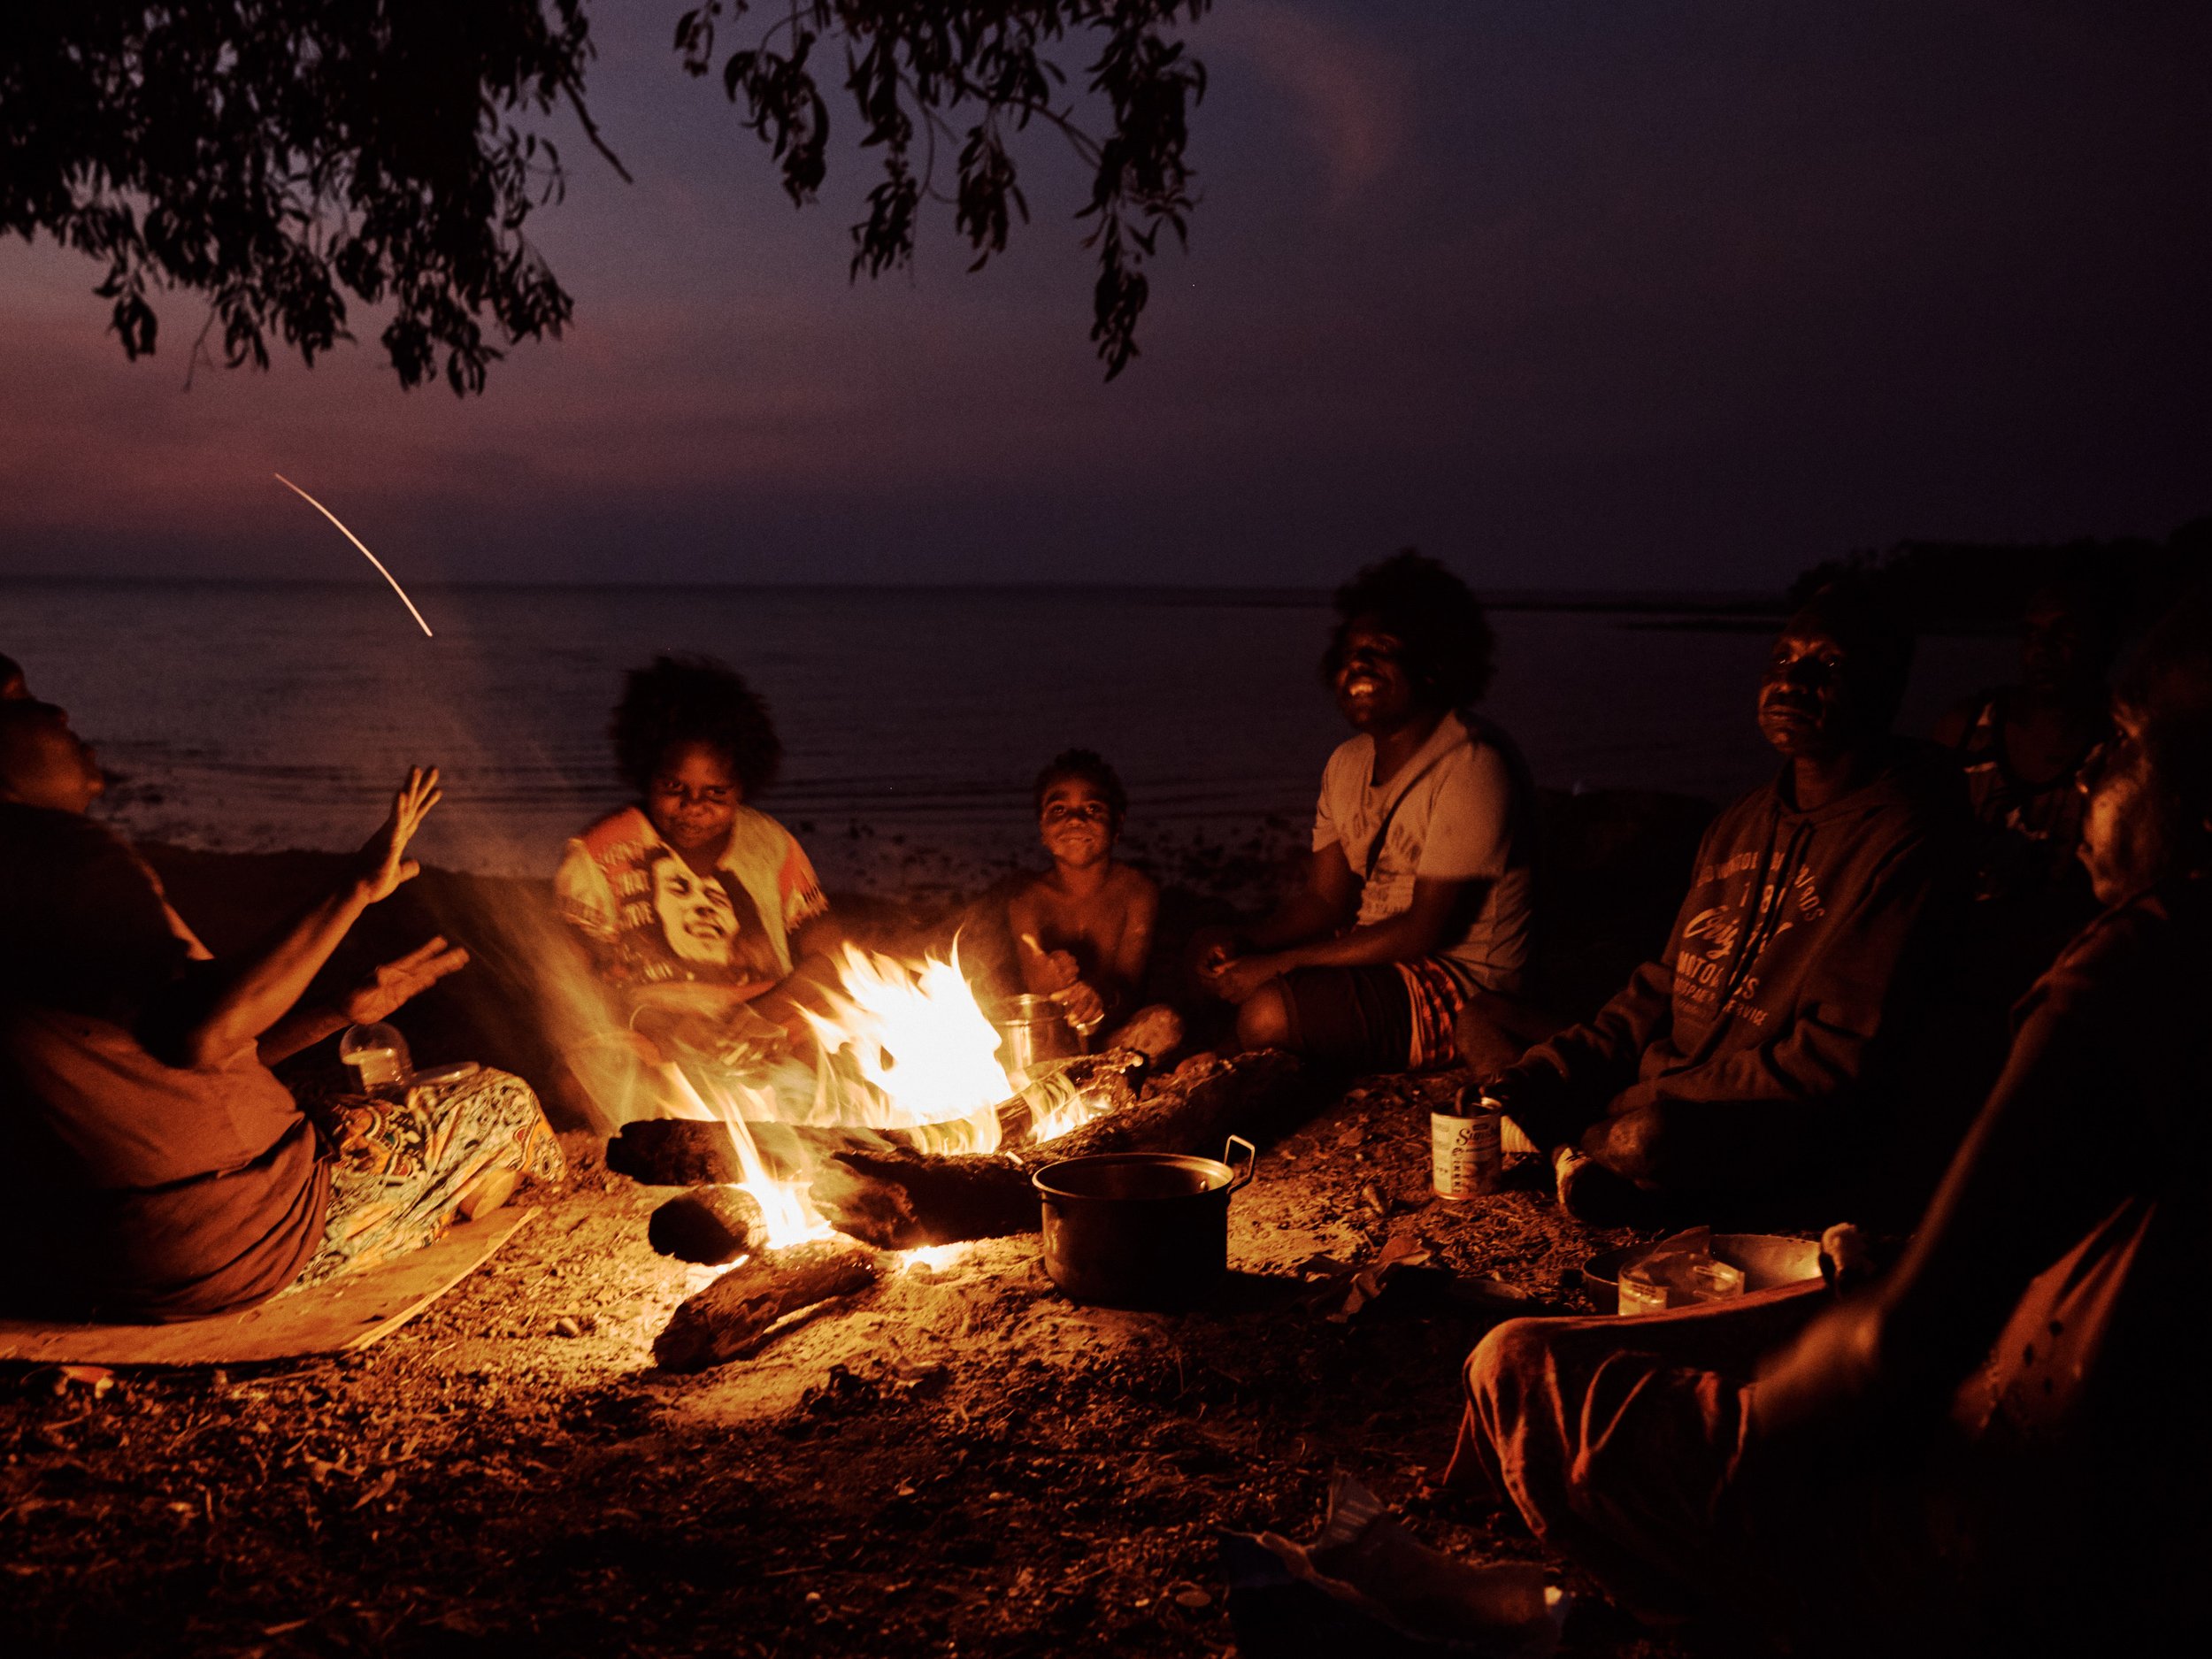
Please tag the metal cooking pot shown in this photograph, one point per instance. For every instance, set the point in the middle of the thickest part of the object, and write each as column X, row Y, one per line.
column 1033, row 1029
column 1140, row 1229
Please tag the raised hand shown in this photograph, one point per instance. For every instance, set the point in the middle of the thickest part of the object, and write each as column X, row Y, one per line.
column 395, row 982
column 385, row 856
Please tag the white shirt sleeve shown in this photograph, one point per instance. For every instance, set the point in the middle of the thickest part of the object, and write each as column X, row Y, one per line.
column 1469, row 828
column 1328, row 829
column 586, row 900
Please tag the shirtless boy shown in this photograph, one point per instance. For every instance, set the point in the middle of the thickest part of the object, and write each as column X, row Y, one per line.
column 1083, row 929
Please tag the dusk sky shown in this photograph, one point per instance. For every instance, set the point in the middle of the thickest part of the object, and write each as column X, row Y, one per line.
column 1589, row 294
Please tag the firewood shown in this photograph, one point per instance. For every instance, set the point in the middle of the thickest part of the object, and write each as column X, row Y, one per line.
column 1109, row 1080
column 675, row 1152
column 703, row 1152
column 898, row 1200
column 730, row 1318
column 709, row 1224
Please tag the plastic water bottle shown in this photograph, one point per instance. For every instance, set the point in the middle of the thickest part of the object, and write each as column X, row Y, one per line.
column 379, row 1056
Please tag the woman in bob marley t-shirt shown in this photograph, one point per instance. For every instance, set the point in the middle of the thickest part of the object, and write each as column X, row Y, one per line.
column 701, row 916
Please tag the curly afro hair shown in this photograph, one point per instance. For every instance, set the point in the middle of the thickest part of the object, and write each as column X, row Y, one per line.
column 1094, row 769
column 693, row 700
column 1450, row 651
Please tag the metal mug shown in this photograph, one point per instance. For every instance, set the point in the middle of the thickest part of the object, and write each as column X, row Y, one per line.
column 1032, row 1030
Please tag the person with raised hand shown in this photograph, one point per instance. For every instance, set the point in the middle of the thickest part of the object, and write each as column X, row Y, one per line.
column 152, row 1167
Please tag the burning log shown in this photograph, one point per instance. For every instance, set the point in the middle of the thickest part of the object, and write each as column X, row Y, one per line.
column 703, row 1152
column 675, row 1152
column 731, row 1318
column 709, row 1226
column 897, row 1199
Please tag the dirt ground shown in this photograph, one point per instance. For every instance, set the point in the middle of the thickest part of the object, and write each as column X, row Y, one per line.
column 961, row 1461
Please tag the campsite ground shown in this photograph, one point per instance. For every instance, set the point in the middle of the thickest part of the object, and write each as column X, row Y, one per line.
column 961, row 1461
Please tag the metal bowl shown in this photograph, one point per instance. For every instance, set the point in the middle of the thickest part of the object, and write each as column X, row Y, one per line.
column 1766, row 1260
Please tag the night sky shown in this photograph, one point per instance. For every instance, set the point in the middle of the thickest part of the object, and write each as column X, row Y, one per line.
column 1595, row 294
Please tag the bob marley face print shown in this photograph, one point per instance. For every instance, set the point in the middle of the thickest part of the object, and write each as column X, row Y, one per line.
column 649, row 918
column 697, row 917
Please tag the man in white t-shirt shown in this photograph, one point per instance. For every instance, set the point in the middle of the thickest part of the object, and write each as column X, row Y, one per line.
column 1419, row 892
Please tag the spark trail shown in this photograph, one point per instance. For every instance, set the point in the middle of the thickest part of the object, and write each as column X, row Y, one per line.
column 365, row 554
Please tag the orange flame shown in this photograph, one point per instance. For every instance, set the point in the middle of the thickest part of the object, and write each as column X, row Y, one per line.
column 922, row 1047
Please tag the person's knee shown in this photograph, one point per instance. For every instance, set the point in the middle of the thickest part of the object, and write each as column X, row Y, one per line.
column 1264, row 1020
column 1643, row 1146
column 1502, row 1360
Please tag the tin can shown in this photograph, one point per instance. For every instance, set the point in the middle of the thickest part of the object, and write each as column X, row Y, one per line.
column 1463, row 1149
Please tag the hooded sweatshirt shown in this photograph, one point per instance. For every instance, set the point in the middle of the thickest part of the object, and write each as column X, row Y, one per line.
column 1792, row 972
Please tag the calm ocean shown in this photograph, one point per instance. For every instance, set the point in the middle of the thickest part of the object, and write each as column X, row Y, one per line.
column 251, row 717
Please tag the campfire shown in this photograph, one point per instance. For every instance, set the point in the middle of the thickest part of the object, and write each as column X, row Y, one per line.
column 913, row 1133
column 907, row 1058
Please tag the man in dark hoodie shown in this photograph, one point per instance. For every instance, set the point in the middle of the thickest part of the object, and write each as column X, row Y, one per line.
column 1990, row 1450
column 1748, row 1058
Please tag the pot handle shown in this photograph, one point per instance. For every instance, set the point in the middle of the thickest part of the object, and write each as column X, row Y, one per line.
column 1245, row 1171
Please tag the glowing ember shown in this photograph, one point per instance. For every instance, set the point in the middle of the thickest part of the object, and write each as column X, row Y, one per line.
column 932, row 1258
column 921, row 1045
column 1061, row 1115
column 787, row 1213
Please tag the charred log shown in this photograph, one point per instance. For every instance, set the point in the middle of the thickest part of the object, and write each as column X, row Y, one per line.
column 898, row 1200
column 709, row 1226
column 675, row 1152
column 732, row 1317
column 701, row 1152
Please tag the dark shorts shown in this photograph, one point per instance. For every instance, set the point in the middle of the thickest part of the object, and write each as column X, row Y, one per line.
column 1389, row 1016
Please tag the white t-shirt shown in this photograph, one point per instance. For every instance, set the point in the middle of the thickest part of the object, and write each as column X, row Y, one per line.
column 1465, row 816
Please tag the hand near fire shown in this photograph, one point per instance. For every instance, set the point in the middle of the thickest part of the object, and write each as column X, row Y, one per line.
column 1055, row 971
column 385, row 861
column 1085, row 1008
column 397, row 981
column 1237, row 979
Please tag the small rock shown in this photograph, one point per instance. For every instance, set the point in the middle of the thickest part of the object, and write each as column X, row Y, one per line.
column 566, row 1326
column 1193, row 1599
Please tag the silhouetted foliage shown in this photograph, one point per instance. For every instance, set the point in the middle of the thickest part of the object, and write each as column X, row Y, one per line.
column 911, row 68
column 278, row 155
column 1941, row 587
column 272, row 153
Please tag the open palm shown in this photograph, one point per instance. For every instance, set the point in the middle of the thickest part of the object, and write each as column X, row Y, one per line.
column 394, row 983
column 385, row 853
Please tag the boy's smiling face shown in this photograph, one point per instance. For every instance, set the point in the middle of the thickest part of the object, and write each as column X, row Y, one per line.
column 1076, row 822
